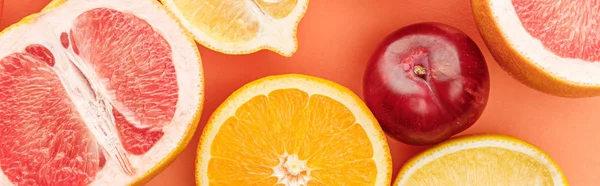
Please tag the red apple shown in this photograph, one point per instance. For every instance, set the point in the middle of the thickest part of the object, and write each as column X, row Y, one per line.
column 426, row 82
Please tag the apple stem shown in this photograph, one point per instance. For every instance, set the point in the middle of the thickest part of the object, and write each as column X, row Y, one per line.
column 420, row 71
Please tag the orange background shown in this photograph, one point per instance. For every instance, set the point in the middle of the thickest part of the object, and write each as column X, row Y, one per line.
column 336, row 37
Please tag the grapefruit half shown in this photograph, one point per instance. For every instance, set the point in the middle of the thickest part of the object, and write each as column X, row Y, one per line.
column 551, row 46
column 96, row 93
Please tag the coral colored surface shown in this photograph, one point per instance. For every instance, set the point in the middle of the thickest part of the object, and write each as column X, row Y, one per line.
column 336, row 39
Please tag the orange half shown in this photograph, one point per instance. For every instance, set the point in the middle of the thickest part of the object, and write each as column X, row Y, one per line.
column 293, row 130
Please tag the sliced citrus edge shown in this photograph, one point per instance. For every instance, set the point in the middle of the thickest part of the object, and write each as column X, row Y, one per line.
column 517, row 65
column 476, row 141
column 182, row 144
column 311, row 85
column 260, row 42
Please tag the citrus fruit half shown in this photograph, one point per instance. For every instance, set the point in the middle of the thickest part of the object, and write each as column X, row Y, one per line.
column 293, row 130
column 481, row 160
column 551, row 46
column 242, row 27
column 96, row 93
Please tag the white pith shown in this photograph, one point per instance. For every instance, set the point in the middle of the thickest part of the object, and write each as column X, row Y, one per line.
column 290, row 164
column 488, row 142
column 572, row 70
column 46, row 28
column 312, row 87
column 279, row 34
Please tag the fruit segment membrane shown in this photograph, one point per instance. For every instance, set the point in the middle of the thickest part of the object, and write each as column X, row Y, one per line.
column 110, row 99
column 568, row 28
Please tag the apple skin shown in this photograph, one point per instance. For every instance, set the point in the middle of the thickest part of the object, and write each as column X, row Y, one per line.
column 426, row 82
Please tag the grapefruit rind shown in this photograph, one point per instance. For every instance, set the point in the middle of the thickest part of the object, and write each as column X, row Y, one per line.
column 476, row 141
column 528, row 61
column 310, row 85
column 263, row 41
column 146, row 176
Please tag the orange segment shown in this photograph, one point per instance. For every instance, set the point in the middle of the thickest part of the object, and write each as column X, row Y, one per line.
column 229, row 172
column 285, row 108
column 277, row 9
column 344, row 147
column 325, row 118
column 347, row 174
column 293, row 130
column 315, row 183
column 251, row 133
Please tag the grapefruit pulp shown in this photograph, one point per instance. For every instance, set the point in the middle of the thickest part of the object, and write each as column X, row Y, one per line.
column 96, row 93
column 551, row 46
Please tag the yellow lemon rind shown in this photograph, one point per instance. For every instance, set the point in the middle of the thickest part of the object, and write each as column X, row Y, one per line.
column 278, row 51
column 466, row 139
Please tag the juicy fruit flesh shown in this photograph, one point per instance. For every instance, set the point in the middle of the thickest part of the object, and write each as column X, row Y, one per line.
column 567, row 28
column 482, row 166
column 139, row 104
column 233, row 21
column 278, row 9
column 289, row 136
column 40, row 131
column 227, row 20
column 45, row 139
